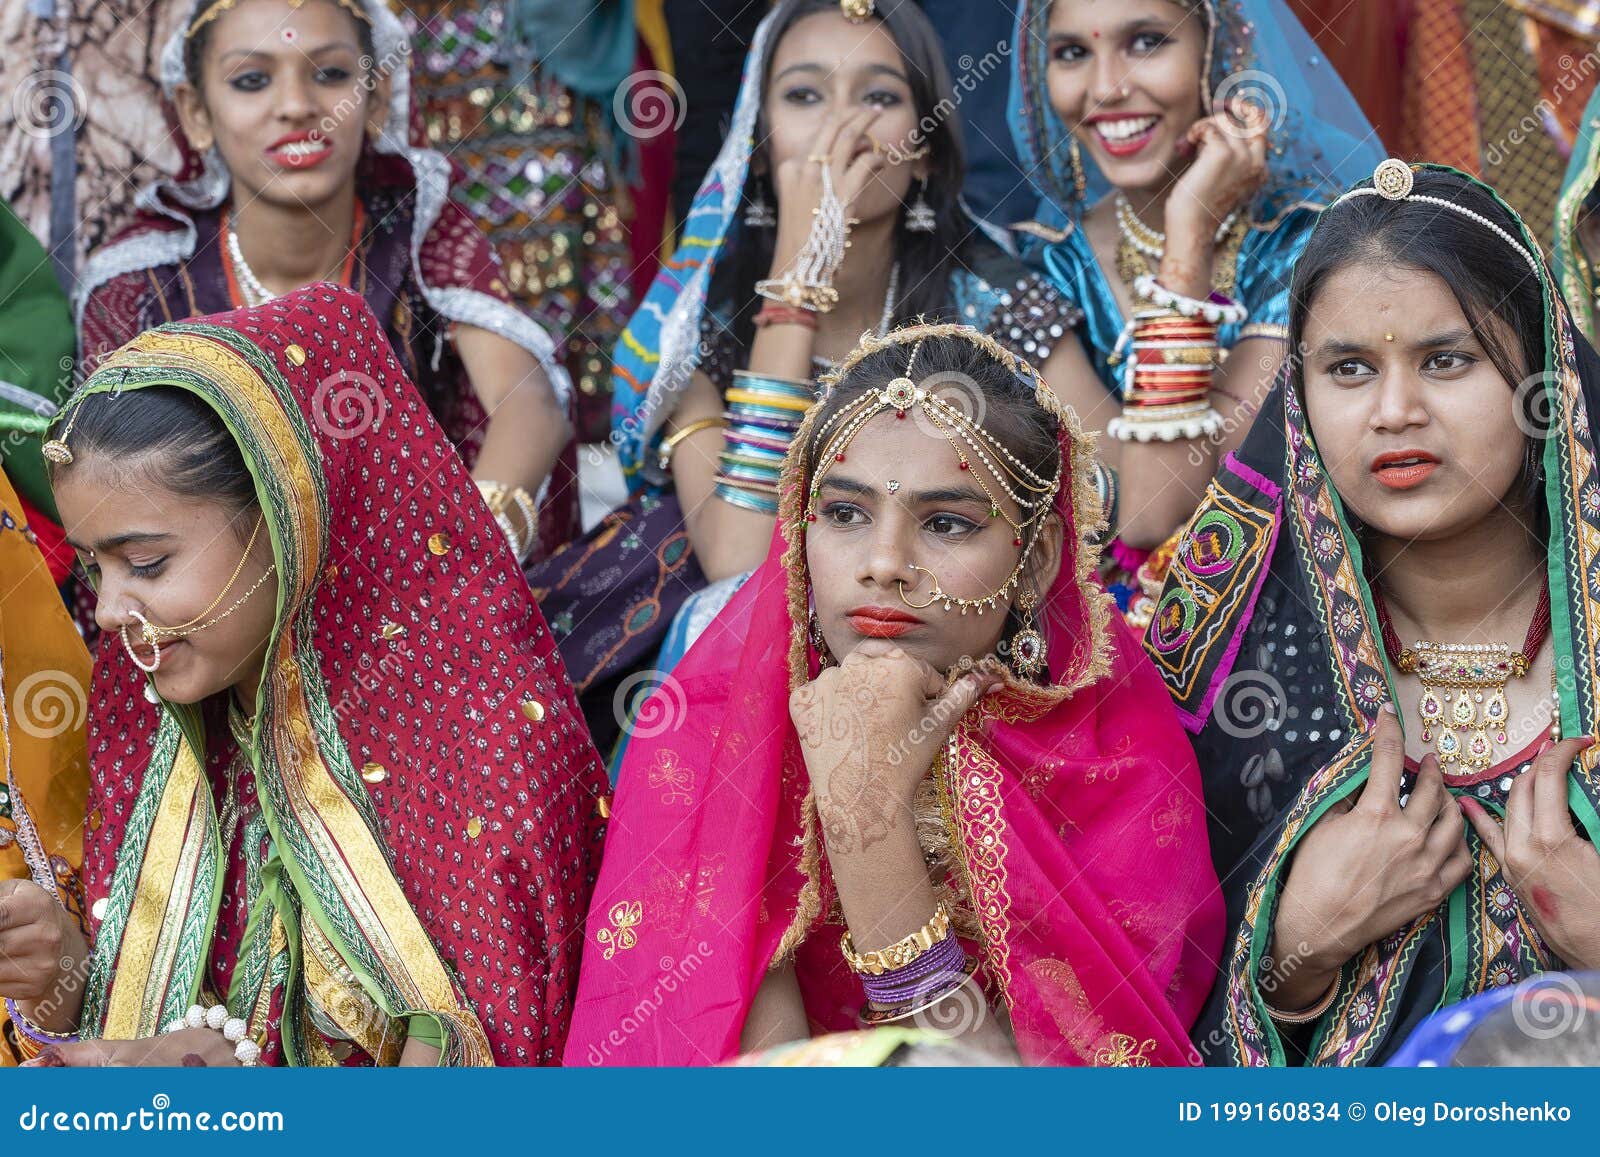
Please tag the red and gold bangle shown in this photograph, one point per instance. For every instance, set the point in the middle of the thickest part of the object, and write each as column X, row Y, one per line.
column 775, row 314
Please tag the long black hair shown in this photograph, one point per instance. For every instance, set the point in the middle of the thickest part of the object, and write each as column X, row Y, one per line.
column 1499, row 293
column 925, row 258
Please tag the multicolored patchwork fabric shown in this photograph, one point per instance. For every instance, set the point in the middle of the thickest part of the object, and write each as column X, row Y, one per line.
column 540, row 178
column 1215, row 579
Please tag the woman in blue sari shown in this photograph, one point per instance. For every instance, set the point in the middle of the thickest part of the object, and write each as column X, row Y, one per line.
column 1181, row 148
column 718, row 363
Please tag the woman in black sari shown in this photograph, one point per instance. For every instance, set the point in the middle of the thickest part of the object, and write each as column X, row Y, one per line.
column 1381, row 621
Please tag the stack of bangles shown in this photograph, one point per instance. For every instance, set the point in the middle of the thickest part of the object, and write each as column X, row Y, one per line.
column 31, row 1039
column 911, row 975
column 763, row 416
column 502, row 500
column 1170, row 362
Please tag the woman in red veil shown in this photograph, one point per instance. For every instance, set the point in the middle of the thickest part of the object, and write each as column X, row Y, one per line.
column 342, row 803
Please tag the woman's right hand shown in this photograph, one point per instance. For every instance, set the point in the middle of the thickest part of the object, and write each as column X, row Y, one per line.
column 201, row 1048
column 41, row 951
column 798, row 180
column 1368, row 870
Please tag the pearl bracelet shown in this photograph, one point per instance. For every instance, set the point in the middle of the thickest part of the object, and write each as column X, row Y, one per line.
column 216, row 1018
column 1218, row 310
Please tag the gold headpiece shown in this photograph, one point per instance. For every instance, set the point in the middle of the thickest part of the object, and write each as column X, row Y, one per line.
column 1033, row 494
column 56, row 450
column 858, row 11
column 1393, row 180
column 218, row 7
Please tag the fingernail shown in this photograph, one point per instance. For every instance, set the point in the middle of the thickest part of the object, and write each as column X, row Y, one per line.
column 1388, row 708
column 1543, row 747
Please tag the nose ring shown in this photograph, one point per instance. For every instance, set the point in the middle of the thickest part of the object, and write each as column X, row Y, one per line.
column 933, row 598
column 147, row 635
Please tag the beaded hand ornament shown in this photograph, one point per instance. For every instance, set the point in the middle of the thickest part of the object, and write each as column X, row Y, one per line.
column 1033, row 494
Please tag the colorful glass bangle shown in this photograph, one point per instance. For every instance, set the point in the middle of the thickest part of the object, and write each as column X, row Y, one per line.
column 746, row 500
column 929, row 971
column 33, row 1032
column 798, row 387
column 873, row 1017
column 775, row 314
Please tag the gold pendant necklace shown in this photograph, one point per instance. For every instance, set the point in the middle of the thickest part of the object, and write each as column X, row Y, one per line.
column 1463, row 708
column 1463, row 698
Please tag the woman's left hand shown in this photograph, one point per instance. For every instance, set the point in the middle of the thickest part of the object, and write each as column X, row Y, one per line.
column 1554, row 871
column 1230, row 164
column 185, row 1048
column 870, row 727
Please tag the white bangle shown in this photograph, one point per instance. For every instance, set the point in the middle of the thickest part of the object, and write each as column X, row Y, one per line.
column 1224, row 312
column 234, row 1030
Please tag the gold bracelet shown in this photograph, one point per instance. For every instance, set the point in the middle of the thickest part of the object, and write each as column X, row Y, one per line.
column 670, row 442
column 1306, row 1015
column 900, row 953
column 500, row 498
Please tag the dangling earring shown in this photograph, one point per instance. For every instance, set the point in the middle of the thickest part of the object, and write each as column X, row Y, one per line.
column 1080, row 180
column 818, row 643
column 1027, row 645
column 920, row 218
column 760, row 214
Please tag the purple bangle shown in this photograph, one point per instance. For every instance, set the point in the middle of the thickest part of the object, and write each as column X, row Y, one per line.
column 928, row 973
column 32, row 1031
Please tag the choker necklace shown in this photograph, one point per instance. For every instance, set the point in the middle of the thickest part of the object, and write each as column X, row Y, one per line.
column 1464, row 687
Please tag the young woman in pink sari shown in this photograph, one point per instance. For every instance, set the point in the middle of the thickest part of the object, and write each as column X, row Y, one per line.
column 919, row 724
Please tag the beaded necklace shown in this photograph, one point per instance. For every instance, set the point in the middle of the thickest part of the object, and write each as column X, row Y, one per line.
column 245, row 288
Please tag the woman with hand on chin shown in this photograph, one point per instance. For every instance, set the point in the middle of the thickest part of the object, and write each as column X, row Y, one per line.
column 300, row 170
column 1379, row 629
column 1175, row 201
column 298, row 849
column 917, row 776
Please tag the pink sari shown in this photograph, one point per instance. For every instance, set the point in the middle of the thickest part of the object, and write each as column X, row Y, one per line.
column 1064, row 823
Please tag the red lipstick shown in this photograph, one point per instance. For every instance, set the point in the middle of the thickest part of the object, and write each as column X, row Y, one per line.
column 302, row 150
column 1124, row 134
column 1404, row 469
column 882, row 622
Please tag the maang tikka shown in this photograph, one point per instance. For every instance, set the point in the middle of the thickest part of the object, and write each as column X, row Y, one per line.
column 1033, row 494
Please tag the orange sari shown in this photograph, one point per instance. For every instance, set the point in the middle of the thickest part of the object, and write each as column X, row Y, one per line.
column 44, row 772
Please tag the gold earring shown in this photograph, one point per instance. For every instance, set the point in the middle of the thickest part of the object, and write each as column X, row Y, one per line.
column 1027, row 645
